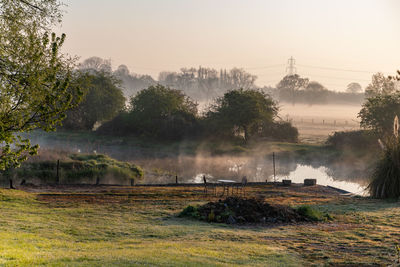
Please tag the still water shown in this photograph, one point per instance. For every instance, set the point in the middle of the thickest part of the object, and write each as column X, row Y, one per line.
column 303, row 172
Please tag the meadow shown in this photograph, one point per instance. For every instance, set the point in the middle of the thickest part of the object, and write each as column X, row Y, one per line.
column 129, row 226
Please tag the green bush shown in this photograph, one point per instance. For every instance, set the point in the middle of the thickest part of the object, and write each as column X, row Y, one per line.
column 76, row 169
column 190, row 211
column 355, row 140
column 386, row 176
column 313, row 214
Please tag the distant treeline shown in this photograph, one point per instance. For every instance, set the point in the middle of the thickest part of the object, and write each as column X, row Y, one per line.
column 207, row 84
column 166, row 114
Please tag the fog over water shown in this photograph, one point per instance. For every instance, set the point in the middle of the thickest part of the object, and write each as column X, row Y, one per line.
column 163, row 167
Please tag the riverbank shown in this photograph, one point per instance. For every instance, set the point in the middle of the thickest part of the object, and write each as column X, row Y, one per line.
column 123, row 226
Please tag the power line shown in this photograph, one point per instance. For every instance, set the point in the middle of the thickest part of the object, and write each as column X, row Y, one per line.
column 264, row 67
column 336, row 69
column 338, row 78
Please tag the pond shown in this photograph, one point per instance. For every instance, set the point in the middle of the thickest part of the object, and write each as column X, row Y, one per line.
column 342, row 175
column 323, row 178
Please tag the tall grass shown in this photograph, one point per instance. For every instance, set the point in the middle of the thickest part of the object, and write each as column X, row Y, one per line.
column 386, row 176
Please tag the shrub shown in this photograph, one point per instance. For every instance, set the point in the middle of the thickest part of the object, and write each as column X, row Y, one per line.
column 386, row 176
column 355, row 140
column 189, row 211
column 77, row 168
column 313, row 214
column 280, row 131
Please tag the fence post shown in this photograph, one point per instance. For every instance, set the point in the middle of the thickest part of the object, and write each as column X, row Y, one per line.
column 58, row 171
column 273, row 163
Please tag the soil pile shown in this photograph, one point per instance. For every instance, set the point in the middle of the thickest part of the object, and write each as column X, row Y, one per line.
column 238, row 210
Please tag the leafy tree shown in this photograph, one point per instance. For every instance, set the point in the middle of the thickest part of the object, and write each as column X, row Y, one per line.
column 380, row 85
column 207, row 83
column 242, row 110
column 354, row 88
column 164, row 113
column 131, row 82
column 34, row 75
column 96, row 64
column 290, row 85
column 315, row 93
column 103, row 100
column 378, row 111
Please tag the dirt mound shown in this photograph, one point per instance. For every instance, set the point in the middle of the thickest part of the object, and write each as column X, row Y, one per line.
column 238, row 210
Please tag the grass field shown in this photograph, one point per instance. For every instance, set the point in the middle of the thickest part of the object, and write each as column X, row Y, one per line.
column 124, row 226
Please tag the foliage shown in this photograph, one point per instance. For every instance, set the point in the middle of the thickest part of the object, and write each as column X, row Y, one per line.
column 354, row 88
column 157, row 112
column 279, row 131
column 96, row 64
column 162, row 112
column 289, row 85
column 313, row 214
column 132, row 83
column 241, row 111
column 355, row 140
column 378, row 111
column 103, row 100
column 386, row 176
column 190, row 211
column 34, row 76
column 315, row 93
column 207, row 83
column 380, row 85
column 76, row 168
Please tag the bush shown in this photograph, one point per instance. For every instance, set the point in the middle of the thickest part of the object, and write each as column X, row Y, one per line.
column 313, row 214
column 280, row 131
column 355, row 140
column 386, row 176
column 76, row 169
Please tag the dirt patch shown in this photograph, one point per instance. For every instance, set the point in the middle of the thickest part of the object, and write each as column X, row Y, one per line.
column 234, row 210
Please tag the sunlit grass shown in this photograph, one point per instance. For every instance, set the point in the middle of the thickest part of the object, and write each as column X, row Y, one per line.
column 144, row 230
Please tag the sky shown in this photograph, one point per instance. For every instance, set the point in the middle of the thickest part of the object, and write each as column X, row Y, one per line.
column 333, row 42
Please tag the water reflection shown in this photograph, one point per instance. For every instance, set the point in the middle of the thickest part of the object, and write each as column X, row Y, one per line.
column 323, row 178
column 163, row 167
column 351, row 178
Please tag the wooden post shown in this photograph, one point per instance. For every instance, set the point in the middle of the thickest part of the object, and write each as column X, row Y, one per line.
column 176, row 179
column 11, row 184
column 273, row 163
column 58, row 171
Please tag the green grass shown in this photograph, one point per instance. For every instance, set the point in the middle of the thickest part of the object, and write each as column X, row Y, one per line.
column 33, row 233
column 145, row 230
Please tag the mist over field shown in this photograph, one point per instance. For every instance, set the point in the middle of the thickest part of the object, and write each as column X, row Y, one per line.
column 199, row 133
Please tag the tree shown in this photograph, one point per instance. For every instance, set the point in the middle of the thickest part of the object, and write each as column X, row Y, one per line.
column 207, row 83
column 290, row 85
column 380, row 85
column 131, row 82
column 162, row 112
column 315, row 93
column 378, row 111
column 242, row 110
column 96, row 64
column 103, row 100
column 34, row 76
column 354, row 88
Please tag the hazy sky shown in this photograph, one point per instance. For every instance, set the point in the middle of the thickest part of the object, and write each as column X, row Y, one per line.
column 358, row 36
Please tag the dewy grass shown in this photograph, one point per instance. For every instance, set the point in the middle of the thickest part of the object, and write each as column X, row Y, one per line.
column 142, row 229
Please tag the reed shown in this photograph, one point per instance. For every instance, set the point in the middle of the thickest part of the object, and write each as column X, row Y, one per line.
column 386, row 176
